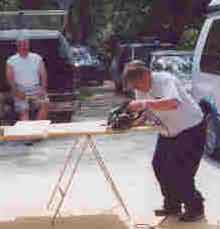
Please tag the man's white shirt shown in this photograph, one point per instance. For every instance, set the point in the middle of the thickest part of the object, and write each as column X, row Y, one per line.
column 26, row 70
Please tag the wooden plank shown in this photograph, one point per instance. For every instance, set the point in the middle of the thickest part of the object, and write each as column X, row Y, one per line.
column 90, row 128
column 32, row 123
column 77, row 128
column 30, row 130
column 27, row 130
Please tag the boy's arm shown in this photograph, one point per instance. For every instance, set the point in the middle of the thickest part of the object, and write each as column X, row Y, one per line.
column 157, row 104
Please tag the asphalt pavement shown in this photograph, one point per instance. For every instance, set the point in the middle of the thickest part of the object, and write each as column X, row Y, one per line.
column 28, row 173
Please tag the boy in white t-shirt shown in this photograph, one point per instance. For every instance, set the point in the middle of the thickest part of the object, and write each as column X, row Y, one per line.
column 179, row 150
column 27, row 77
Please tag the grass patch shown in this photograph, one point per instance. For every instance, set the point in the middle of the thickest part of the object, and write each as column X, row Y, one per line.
column 85, row 93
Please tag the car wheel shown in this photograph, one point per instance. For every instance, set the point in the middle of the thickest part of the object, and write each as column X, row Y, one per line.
column 211, row 136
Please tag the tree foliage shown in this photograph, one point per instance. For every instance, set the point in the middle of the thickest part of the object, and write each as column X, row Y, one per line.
column 176, row 16
column 10, row 4
column 93, row 21
column 109, row 17
column 129, row 17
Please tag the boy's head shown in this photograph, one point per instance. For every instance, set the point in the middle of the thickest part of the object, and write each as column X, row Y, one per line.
column 137, row 76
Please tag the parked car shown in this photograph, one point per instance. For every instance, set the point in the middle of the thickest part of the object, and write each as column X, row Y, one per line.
column 54, row 49
column 88, row 66
column 136, row 50
column 176, row 62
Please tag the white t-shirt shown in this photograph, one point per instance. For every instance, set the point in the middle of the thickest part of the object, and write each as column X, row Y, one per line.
column 188, row 113
column 26, row 70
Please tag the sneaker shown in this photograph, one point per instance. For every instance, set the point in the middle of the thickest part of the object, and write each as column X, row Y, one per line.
column 191, row 216
column 167, row 211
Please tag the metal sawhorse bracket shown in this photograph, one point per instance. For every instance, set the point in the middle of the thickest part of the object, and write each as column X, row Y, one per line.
column 62, row 190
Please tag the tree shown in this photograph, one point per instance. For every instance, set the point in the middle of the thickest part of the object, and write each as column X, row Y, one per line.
column 94, row 20
column 31, row 4
column 97, row 20
column 168, row 24
column 64, row 4
column 9, row 4
column 84, row 18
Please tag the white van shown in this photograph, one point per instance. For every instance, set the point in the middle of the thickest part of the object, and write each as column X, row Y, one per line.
column 206, row 64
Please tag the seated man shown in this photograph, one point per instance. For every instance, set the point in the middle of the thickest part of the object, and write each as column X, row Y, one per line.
column 27, row 76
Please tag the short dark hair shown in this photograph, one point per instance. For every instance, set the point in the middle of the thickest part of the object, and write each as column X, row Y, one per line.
column 134, row 70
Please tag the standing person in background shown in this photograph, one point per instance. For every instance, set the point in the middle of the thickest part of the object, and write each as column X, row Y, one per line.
column 179, row 150
column 27, row 76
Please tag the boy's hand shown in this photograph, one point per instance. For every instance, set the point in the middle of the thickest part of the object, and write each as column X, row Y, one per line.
column 135, row 106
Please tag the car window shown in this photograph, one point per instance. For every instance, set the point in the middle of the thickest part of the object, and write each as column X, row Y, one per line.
column 211, row 53
column 84, row 55
column 76, row 54
column 81, row 54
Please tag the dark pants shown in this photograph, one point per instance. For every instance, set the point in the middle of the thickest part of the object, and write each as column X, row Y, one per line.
column 175, row 163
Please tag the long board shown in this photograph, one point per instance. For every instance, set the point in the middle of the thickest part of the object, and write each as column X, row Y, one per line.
column 32, row 130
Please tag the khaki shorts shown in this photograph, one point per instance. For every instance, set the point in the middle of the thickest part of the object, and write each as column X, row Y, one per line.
column 31, row 99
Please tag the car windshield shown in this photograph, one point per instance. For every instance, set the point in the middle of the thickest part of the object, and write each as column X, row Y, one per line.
column 83, row 55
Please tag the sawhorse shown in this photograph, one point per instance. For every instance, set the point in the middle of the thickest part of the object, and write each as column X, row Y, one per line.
column 62, row 190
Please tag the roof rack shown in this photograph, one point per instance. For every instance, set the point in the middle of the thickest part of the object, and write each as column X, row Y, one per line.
column 34, row 12
column 32, row 19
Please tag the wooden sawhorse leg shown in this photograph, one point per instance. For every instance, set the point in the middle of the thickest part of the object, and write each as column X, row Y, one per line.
column 88, row 141
column 58, row 187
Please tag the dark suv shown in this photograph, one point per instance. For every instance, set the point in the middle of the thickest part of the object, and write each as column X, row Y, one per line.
column 54, row 49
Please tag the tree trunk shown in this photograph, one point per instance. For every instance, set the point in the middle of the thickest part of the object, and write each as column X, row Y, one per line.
column 68, row 28
column 31, row 4
column 84, row 20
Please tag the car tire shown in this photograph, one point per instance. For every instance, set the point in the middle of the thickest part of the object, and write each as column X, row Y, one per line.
column 210, row 143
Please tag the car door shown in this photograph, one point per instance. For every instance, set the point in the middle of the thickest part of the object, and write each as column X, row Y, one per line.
column 206, row 64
